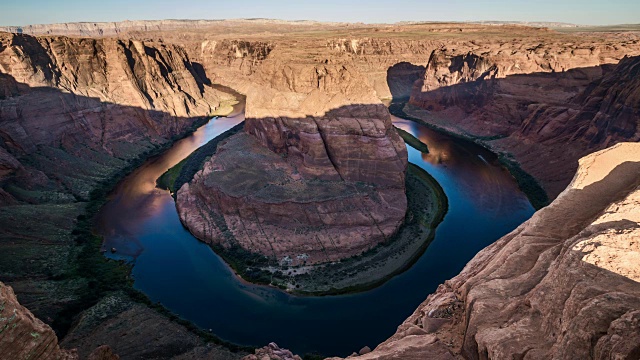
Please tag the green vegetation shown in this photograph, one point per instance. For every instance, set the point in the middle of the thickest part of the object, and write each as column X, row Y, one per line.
column 99, row 276
column 415, row 172
column 184, row 171
column 139, row 297
column 413, row 141
column 426, row 207
column 528, row 184
column 167, row 180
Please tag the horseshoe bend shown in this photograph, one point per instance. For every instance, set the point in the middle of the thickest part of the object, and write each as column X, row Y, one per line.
column 257, row 189
column 316, row 175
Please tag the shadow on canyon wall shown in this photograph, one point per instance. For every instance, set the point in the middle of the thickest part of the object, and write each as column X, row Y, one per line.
column 60, row 155
column 547, row 121
column 62, row 143
column 401, row 77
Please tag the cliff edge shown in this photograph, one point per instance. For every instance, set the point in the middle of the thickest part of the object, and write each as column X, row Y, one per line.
column 563, row 285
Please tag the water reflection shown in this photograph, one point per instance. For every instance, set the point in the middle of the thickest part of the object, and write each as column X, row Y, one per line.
column 481, row 179
column 186, row 276
column 136, row 199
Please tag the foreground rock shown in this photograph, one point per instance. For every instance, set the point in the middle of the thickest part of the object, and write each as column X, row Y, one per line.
column 318, row 175
column 134, row 331
column 272, row 352
column 22, row 335
column 563, row 285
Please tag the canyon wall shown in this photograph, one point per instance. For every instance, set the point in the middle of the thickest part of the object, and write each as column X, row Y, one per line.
column 75, row 113
column 99, row 29
column 545, row 120
column 565, row 284
column 22, row 335
column 71, row 110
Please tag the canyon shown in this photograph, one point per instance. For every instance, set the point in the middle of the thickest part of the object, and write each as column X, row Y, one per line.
column 562, row 285
column 322, row 165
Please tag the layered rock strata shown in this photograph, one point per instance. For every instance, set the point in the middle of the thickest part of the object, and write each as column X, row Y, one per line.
column 74, row 114
column 22, row 335
column 563, row 285
column 476, row 80
column 313, row 178
column 545, row 120
column 71, row 110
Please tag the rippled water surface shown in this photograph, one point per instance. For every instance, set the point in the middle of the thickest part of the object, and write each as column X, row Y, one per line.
column 186, row 276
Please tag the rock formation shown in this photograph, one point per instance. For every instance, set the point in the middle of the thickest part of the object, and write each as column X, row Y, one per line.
column 74, row 114
column 529, row 116
column 563, row 285
column 74, row 108
column 99, row 29
column 22, row 335
column 272, row 352
column 480, row 81
column 317, row 176
column 75, row 111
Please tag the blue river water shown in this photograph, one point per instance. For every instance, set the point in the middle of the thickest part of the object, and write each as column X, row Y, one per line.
column 186, row 276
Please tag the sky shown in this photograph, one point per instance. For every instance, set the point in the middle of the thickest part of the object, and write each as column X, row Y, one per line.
column 586, row 12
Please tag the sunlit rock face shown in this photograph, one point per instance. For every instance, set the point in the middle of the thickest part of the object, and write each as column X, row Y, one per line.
column 563, row 285
column 317, row 176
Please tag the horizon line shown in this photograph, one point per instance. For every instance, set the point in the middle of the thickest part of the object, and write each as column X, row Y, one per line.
column 506, row 22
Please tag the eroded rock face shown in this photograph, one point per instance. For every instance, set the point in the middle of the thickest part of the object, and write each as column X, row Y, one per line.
column 272, row 352
column 314, row 178
column 22, row 335
column 75, row 108
column 563, row 285
column 547, row 121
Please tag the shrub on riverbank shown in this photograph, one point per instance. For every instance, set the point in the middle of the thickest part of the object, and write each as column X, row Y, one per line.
column 413, row 141
column 185, row 170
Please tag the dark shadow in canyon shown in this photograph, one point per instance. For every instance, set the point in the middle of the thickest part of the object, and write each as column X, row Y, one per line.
column 401, row 78
column 546, row 120
column 74, row 142
column 60, row 155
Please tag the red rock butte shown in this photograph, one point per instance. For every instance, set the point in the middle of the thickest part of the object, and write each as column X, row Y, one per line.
column 318, row 175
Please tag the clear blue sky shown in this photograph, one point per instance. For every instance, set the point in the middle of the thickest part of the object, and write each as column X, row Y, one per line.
column 23, row 12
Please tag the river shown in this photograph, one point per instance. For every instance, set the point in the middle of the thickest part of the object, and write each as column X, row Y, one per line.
column 172, row 267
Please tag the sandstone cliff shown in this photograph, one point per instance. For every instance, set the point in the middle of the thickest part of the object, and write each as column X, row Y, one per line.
column 292, row 90
column 76, row 113
column 22, row 335
column 562, row 109
column 480, row 81
column 563, row 285
column 318, row 175
column 98, row 29
column 71, row 110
